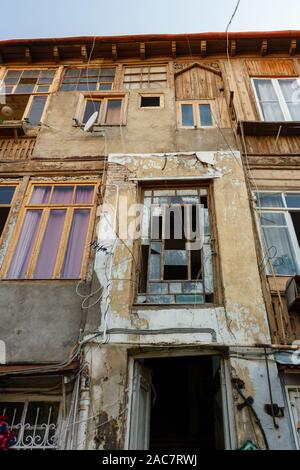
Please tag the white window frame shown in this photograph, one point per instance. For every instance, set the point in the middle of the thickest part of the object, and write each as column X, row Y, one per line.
column 282, row 103
column 20, row 444
column 196, row 113
column 289, row 222
column 288, row 388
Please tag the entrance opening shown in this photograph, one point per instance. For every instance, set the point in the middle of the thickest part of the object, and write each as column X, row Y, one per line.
column 177, row 404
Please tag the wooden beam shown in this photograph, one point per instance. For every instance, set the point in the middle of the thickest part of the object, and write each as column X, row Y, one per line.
column 203, row 48
column 174, row 50
column 233, row 48
column 56, row 53
column 264, row 47
column 142, row 50
column 84, row 54
column 114, row 51
column 293, row 47
column 28, row 55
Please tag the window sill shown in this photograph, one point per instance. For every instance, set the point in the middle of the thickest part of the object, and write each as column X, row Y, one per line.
column 173, row 306
column 264, row 128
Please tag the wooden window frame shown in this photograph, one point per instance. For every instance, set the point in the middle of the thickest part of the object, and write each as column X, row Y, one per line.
column 214, row 267
column 281, row 100
column 34, row 92
column 161, row 97
column 140, row 81
column 196, row 113
column 98, row 83
column 16, row 185
column 104, row 97
column 42, row 227
column 289, row 388
column 285, row 210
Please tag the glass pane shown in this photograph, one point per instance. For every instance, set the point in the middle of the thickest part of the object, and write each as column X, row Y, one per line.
column 76, row 244
column 205, row 115
column 271, row 218
column 84, row 194
column 86, row 86
column 36, row 110
column 19, row 264
column 280, row 250
column 190, row 299
column 113, row 112
column 26, row 88
column 269, row 200
column 272, row 112
column 30, row 73
column 6, row 194
column 294, row 109
column 105, row 86
column 67, row 87
column 62, row 195
column 265, row 90
column 158, row 288
column 91, row 107
column 40, row 195
column 72, row 73
column 192, row 288
column 161, row 299
column 175, row 287
column 293, row 201
column 50, row 245
column 155, row 261
column 105, row 72
column 176, row 258
column 42, row 89
column 187, row 115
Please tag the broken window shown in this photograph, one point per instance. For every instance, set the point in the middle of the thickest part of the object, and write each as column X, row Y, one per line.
column 278, row 99
column 176, row 259
column 6, row 196
column 145, row 77
column 194, row 114
column 53, row 234
column 279, row 218
column 110, row 110
column 34, row 423
column 26, row 94
column 88, row 79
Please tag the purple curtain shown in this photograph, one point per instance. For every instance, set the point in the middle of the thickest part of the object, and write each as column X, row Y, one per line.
column 84, row 194
column 25, row 244
column 76, row 244
column 50, row 244
column 40, row 195
column 62, row 195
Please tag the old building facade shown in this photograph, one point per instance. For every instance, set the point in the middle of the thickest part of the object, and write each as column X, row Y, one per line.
column 113, row 334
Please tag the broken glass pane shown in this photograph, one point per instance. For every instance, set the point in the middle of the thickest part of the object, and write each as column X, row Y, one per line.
column 175, row 287
column 158, row 288
column 155, row 261
column 176, row 258
column 160, row 299
column 192, row 288
column 141, row 299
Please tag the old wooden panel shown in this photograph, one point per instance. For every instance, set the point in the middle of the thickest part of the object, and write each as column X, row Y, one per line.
column 272, row 146
column 197, row 83
column 271, row 68
column 21, row 149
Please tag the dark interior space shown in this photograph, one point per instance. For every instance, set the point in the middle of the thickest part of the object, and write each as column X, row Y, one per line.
column 296, row 221
column 186, row 408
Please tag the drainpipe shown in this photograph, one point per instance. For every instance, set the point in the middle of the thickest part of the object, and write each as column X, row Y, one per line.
column 83, row 409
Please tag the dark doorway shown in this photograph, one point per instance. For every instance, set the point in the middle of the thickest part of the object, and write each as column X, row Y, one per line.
column 186, row 404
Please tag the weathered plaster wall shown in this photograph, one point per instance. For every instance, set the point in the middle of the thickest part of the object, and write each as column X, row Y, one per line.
column 40, row 322
column 154, row 130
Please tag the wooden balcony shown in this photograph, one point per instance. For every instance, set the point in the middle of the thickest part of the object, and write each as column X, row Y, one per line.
column 17, row 149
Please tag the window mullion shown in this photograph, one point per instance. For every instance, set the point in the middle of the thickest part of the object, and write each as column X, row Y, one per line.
column 63, row 242
column 37, row 244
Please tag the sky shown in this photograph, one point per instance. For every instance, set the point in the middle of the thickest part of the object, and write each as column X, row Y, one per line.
column 60, row 18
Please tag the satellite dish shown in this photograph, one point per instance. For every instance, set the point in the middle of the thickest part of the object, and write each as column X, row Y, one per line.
column 91, row 122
